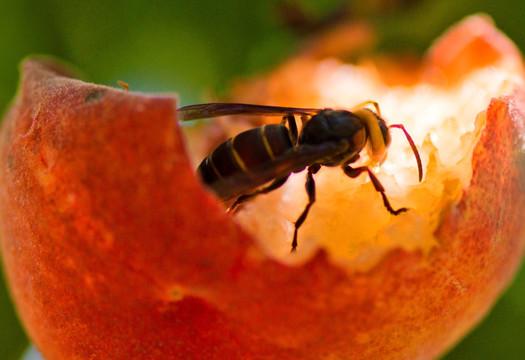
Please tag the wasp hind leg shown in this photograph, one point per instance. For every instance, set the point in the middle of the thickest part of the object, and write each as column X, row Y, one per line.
column 355, row 172
column 247, row 197
column 310, row 190
column 292, row 127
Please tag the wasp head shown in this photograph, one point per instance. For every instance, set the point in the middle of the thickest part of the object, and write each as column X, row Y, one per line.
column 378, row 134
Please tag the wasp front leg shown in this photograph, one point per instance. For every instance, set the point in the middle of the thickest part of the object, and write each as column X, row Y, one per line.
column 355, row 172
column 366, row 103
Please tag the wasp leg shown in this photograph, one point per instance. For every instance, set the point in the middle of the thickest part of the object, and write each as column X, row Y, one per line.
column 292, row 126
column 366, row 103
column 353, row 173
column 310, row 190
column 247, row 197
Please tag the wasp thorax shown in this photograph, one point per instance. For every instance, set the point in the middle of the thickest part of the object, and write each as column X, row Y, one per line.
column 335, row 126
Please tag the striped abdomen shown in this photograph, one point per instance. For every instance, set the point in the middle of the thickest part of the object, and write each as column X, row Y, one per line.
column 248, row 160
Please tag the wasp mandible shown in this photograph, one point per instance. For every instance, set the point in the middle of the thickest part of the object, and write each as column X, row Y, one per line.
column 239, row 167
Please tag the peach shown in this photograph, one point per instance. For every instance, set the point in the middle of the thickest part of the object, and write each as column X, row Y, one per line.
column 114, row 250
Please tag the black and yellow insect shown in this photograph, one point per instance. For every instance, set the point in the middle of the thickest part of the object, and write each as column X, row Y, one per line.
column 239, row 167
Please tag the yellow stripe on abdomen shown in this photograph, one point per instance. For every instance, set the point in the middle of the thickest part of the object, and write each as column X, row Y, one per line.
column 236, row 156
column 267, row 146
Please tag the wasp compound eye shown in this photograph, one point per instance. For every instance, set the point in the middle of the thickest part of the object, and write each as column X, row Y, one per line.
column 384, row 131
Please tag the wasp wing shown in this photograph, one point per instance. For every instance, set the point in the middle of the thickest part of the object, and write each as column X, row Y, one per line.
column 291, row 161
column 202, row 111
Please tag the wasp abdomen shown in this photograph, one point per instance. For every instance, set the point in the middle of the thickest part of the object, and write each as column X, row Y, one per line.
column 228, row 169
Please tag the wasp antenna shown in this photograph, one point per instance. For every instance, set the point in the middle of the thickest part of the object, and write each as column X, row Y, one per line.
column 414, row 149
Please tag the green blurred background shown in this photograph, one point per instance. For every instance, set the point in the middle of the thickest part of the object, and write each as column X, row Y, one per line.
column 198, row 47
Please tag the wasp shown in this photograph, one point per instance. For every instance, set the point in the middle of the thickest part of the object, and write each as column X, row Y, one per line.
column 260, row 160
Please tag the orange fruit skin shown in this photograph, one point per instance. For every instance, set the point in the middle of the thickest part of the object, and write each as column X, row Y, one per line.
column 113, row 250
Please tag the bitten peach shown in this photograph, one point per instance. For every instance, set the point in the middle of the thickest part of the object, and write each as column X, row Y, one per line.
column 114, row 250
